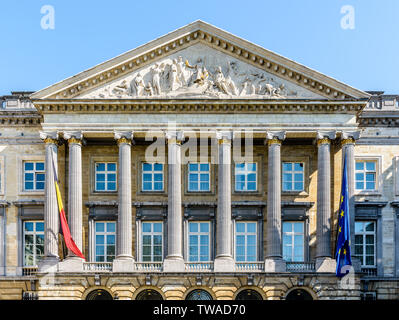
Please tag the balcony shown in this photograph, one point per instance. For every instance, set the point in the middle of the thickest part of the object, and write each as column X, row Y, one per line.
column 29, row 271
column 97, row 266
column 369, row 272
column 148, row 266
column 258, row 266
column 199, row 266
column 300, row 266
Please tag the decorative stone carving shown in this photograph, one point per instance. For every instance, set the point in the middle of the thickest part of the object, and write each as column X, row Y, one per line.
column 200, row 72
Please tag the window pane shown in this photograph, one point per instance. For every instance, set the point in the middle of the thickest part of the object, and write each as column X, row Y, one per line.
column 146, row 240
column 204, row 186
column 193, row 240
column 369, row 239
column 240, row 240
column 204, row 240
column 147, row 177
column 100, row 177
column 370, row 186
column 111, row 177
column 28, row 165
column 193, row 177
column 147, row 186
column 369, row 226
column 193, row 166
column 110, row 239
column 251, row 166
column 298, row 186
column 111, row 227
column 370, row 177
column 359, row 165
column 158, row 227
column 39, row 226
column 251, row 177
column 298, row 166
column 287, row 177
column 298, row 177
column 111, row 186
column 193, row 227
column 100, row 186
column 369, row 260
column 158, row 177
column 28, row 226
column 240, row 227
column 158, row 166
column 287, row 166
column 240, row 166
column 240, row 186
column 147, row 166
column 251, row 227
column 100, row 166
column 146, row 227
column 287, row 186
column 29, row 176
column 358, row 239
column 204, row 166
column 370, row 165
column 40, row 177
column 251, row 186
column 204, row 177
column 111, row 166
column 287, row 226
column 99, row 227
column 298, row 227
column 28, row 185
column 157, row 240
column 193, row 186
column 40, row 166
column 204, row 227
column 158, row 186
column 359, row 176
column 99, row 239
column 251, row 240
column 39, row 185
column 359, row 185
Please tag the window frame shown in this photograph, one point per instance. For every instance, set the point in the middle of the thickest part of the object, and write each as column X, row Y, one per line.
column 152, row 233
column 292, row 173
column 378, row 181
column 34, row 172
column 2, row 176
column 293, row 239
column 152, row 172
column 364, row 234
column 105, row 234
column 106, row 177
column 34, row 233
column 234, row 168
column 209, row 172
column 198, row 234
column 246, row 234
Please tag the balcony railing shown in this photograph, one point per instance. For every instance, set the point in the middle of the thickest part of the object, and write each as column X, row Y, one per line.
column 97, row 266
column 148, row 266
column 29, row 271
column 369, row 272
column 30, row 295
column 250, row 266
column 300, row 266
column 199, row 266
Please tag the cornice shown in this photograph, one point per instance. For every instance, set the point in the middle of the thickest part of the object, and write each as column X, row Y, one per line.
column 214, row 38
column 17, row 118
column 195, row 106
column 378, row 120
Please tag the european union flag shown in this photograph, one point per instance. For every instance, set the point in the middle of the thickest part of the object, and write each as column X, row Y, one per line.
column 343, row 250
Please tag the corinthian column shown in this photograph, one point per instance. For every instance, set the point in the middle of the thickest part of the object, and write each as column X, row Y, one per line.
column 124, row 260
column 274, row 261
column 224, row 261
column 51, row 215
column 348, row 139
column 324, row 262
column 174, row 260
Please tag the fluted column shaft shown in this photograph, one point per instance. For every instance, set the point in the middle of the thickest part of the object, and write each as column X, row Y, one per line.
column 223, row 218
column 175, row 235
column 323, row 199
column 274, row 245
column 51, row 214
column 75, row 191
column 124, row 245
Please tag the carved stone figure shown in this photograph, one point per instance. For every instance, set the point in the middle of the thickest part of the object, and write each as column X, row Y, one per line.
column 220, row 81
column 137, row 85
column 121, row 88
column 156, row 79
column 181, row 71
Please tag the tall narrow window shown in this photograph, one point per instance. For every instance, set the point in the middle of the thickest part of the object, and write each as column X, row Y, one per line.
column 105, row 239
column 152, row 177
column 246, row 237
column 293, row 241
column 33, row 242
column 293, row 176
column 152, row 241
column 198, row 177
column 105, row 176
column 366, row 175
column 365, row 236
column 34, row 176
column 198, row 241
column 245, row 177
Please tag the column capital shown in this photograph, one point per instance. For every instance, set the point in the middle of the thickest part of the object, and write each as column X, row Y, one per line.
column 274, row 137
column 73, row 137
column 325, row 137
column 176, row 137
column 49, row 137
column 224, row 136
column 349, row 137
column 123, row 137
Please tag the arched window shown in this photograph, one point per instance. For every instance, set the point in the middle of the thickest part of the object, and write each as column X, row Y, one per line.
column 149, row 294
column 99, row 294
column 199, row 294
column 299, row 294
column 249, row 294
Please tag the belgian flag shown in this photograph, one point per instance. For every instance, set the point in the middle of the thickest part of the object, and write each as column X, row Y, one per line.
column 66, row 234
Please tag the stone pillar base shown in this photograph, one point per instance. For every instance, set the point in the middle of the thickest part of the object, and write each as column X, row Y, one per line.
column 275, row 265
column 326, row 264
column 174, row 264
column 224, row 264
column 48, row 265
column 123, row 264
column 71, row 264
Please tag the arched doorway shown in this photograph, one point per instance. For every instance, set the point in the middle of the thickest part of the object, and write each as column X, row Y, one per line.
column 299, row 294
column 199, row 294
column 249, row 294
column 149, row 294
column 99, row 294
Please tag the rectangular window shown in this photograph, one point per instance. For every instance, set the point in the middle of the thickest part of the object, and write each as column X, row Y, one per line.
column 246, row 240
column 105, row 176
column 199, row 177
column 365, row 236
column 294, row 241
column 105, row 240
column 366, row 175
column 34, row 176
column 198, row 241
column 245, row 177
column 152, row 241
column 33, row 233
column 293, row 176
column 152, row 177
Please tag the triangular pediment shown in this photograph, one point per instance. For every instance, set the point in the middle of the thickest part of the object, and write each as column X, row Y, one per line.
column 200, row 61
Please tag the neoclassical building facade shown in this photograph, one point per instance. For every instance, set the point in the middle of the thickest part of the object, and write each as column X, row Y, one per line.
column 198, row 166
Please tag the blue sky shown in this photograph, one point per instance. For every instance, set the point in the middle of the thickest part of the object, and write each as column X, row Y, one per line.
column 89, row 32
